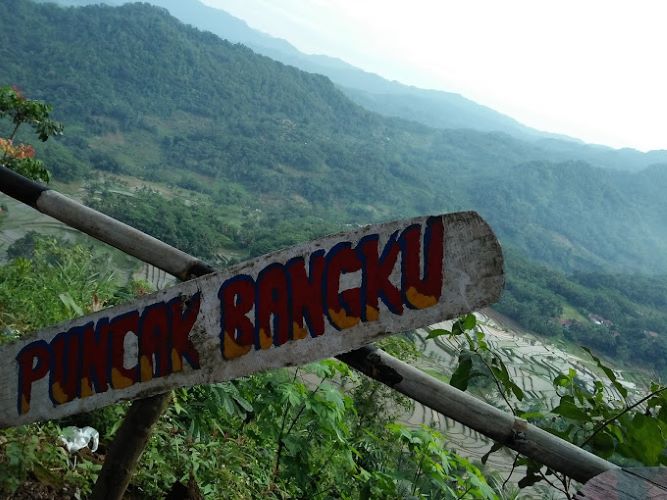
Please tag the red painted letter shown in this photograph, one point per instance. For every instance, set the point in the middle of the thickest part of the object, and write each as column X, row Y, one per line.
column 33, row 360
column 95, row 358
column 343, row 308
column 237, row 297
column 418, row 292
column 183, row 316
column 306, row 294
column 376, row 271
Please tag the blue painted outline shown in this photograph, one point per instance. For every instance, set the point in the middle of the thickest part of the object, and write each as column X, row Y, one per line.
column 231, row 281
column 42, row 344
column 305, row 313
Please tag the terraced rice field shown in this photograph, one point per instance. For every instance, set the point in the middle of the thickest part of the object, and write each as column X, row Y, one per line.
column 22, row 219
column 533, row 364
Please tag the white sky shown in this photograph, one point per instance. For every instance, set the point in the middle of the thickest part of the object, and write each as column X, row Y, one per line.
column 591, row 69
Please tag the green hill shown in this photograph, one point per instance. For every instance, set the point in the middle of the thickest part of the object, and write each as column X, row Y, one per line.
column 145, row 95
column 433, row 108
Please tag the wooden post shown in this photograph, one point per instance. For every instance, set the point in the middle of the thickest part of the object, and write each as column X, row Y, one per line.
column 125, row 451
column 130, row 441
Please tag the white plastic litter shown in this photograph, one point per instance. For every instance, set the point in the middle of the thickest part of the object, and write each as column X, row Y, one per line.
column 75, row 438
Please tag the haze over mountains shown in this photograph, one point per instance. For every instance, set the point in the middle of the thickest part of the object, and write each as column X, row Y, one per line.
column 143, row 94
column 228, row 154
column 433, row 108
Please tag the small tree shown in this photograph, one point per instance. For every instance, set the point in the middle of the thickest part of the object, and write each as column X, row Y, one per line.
column 21, row 157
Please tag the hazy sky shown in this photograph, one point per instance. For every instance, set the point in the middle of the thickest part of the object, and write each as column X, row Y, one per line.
column 596, row 70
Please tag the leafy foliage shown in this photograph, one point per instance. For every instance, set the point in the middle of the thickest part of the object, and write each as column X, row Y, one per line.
column 59, row 282
column 185, row 106
column 193, row 228
column 598, row 416
column 20, row 110
column 432, row 470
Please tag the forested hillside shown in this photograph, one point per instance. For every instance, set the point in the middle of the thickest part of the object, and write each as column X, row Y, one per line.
column 143, row 94
column 433, row 108
column 227, row 154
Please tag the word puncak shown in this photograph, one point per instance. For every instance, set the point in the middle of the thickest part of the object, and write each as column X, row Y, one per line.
column 92, row 358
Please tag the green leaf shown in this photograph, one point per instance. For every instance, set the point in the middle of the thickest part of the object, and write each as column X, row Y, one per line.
column 644, row 440
column 609, row 373
column 481, row 342
column 603, row 444
column 568, row 409
column 228, row 404
column 469, row 322
column 437, row 333
column 461, row 375
column 69, row 303
column 531, row 415
column 243, row 403
column 561, row 380
column 529, row 480
column 494, row 448
column 518, row 393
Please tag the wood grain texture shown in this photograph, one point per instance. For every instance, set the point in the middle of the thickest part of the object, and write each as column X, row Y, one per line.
column 177, row 337
column 643, row 483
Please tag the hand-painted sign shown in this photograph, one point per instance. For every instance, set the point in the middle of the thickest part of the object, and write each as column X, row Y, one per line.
column 291, row 307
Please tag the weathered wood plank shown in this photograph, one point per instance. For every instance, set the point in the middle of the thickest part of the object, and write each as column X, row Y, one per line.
column 642, row 483
column 290, row 307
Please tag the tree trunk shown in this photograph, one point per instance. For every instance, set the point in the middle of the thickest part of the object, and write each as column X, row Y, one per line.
column 128, row 445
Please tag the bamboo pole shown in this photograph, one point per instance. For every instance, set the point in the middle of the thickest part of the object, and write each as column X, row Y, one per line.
column 502, row 427
column 102, row 227
column 515, row 433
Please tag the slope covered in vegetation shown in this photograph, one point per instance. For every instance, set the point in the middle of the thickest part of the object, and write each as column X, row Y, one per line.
column 248, row 155
column 143, row 94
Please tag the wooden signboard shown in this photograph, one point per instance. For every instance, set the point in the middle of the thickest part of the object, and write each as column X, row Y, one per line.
column 288, row 308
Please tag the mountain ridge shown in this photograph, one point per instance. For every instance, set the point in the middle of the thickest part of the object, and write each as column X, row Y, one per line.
column 356, row 82
column 144, row 94
column 434, row 108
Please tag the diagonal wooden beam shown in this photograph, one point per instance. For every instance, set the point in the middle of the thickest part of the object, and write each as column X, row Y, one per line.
column 502, row 427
